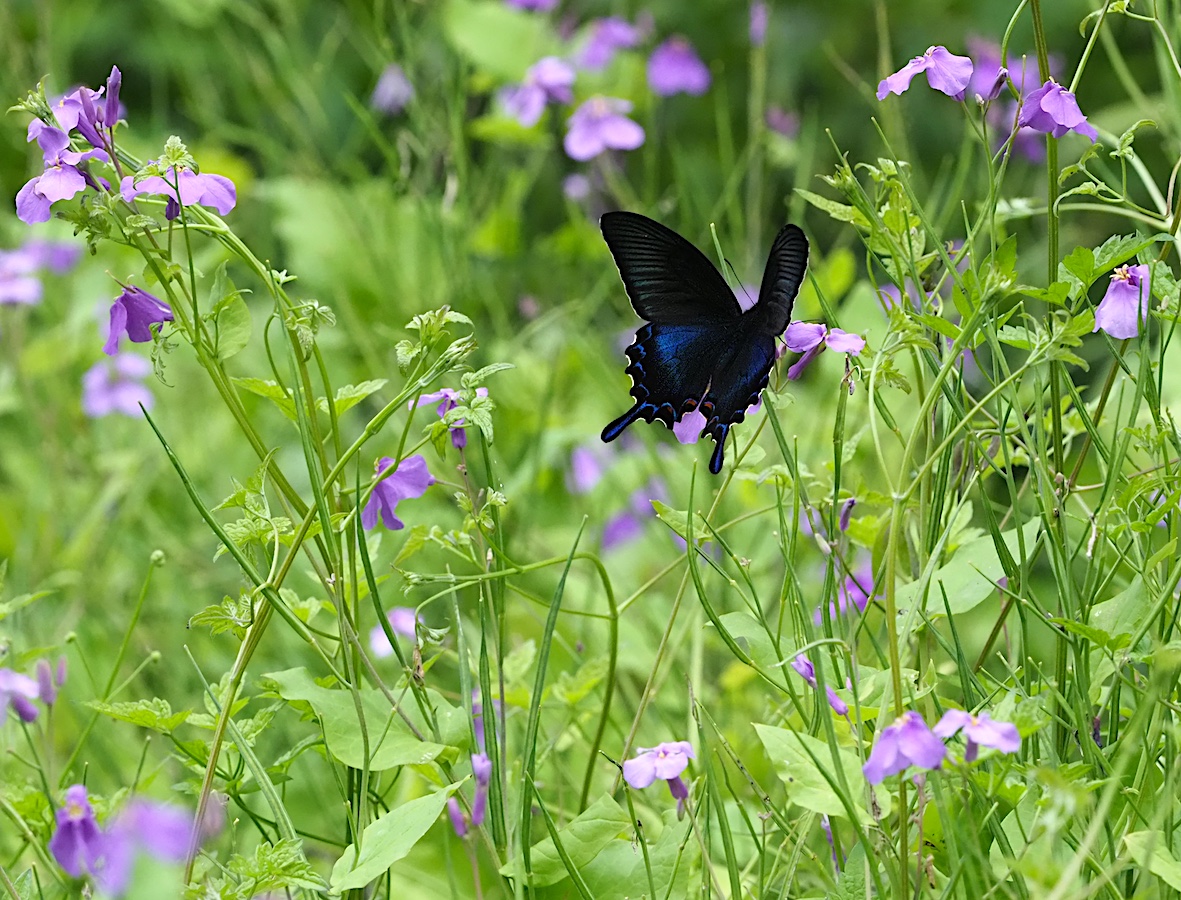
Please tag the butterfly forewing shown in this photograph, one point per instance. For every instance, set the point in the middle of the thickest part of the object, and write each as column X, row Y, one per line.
column 668, row 280
column 782, row 279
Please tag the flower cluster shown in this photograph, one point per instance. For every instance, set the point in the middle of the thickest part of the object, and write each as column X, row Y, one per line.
column 17, row 691
column 82, row 848
column 1050, row 109
column 909, row 742
column 446, row 399
column 115, row 386
column 19, row 268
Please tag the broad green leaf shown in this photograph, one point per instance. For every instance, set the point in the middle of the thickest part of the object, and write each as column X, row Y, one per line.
column 583, row 839
column 752, row 637
column 1120, row 248
column 838, row 211
column 388, row 839
column 968, row 579
column 851, row 881
column 1122, row 615
column 808, row 785
column 390, row 741
column 1078, row 270
column 351, row 394
column 155, row 714
column 274, row 867
column 271, row 391
column 1149, row 850
column 498, row 39
column 232, row 326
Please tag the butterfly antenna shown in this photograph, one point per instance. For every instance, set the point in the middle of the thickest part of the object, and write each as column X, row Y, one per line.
column 738, row 282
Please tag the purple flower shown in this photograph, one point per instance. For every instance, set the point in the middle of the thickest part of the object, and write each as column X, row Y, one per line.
column 541, row 5
column 112, row 386
column 688, row 430
column 782, row 122
column 143, row 826
column 133, row 313
column 482, row 769
column 627, row 525
column 18, row 279
column 409, row 480
column 576, row 187
column 47, row 683
column 759, row 14
column 674, row 67
column 810, row 338
column 826, row 826
column 76, row 843
column 392, row 92
column 547, row 81
column 206, row 189
column 907, row 742
column 455, row 814
column 979, row 730
column 946, row 72
column 403, row 620
column 805, row 669
column 839, row 706
column 57, row 256
column 853, row 593
column 846, row 513
column 607, row 36
column 988, row 72
column 61, row 180
column 586, row 469
column 17, row 692
column 1052, row 110
column 446, row 398
column 665, row 761
column 1125, row 303
column 599, row 124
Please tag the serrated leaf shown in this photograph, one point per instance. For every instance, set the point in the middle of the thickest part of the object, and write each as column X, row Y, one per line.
column 1119, row 248
column 1016, row 336
column 154, row 714
column 1078, row 270
column 233, row 614
column 275, row 867
column 387, row 839
column 470, row 380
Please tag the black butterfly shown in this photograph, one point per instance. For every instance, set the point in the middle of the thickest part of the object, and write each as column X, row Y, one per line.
column 699, row 349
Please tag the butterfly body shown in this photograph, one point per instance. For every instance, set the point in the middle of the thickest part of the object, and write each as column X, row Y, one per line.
column 698, row 350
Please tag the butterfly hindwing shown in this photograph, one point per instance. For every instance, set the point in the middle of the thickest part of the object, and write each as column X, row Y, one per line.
column 668, row 280
column 734, row 387
column 668, row 378
column 781, row 280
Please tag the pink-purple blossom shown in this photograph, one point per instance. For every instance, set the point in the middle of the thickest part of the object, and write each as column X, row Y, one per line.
column 1125, row 303
column 61, row 179
column 17, row 692
column 392, row 92
column 143, row 826
column 945, row 72
column 403, row 620
column 549, row 80
column 906, row 742
column 759, row 15
column 114, row 386
column 586, row 468
column 675, row 68
column 77, row 843
column 782, row 122
column 409, row 480
column 665, row 761
column 627, row 525
column 846, row 513
column 133, row 313
column 601, row 124
column 458, row 819
column 854, row 592
column 482, row 770
column 607, row 37
column 19, row 268
column 205, row 189
column 50, row 680
column 1053, row 110
column 979, row 731
column 538, row 5
column 809, row 338
column 804, row 668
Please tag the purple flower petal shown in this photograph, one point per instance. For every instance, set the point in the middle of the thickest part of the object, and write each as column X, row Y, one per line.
column 31, row 206
column 392, row 92
column 1125, row 303
column 60, row 183
column 801, row 337
column 1052, row 110
column 688, row 430
column 675, row 67
column 805, row 669
column 843, row 342
column 759, row 14
column 409, row 481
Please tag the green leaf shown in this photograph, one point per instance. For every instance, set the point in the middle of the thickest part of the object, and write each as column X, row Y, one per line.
column 968, row 579
column 390, row 742
column 1078, row 270
column 154, row 714
column 351, row 394
column 1122, row 615
column 233, row 614
column 271, row 391
column 617, row 872
column 598, row 825
column 8, row 607
column 232, row 323
column 496, row 38
column 838, row 211
column 275, row 867
column 1149, row 850
column 387, row 839
column 1120, row 248
column 805, row 784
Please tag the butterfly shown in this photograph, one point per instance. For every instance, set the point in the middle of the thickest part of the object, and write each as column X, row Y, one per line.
column 698, row 350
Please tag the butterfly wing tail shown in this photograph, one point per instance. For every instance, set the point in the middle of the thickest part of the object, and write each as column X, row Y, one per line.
column 719, row 436
column 615, row 429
